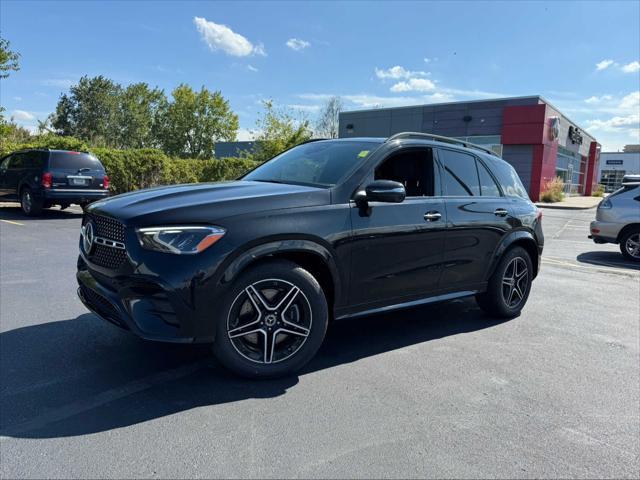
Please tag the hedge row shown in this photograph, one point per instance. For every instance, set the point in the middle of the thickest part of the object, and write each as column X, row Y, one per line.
column 142, row 168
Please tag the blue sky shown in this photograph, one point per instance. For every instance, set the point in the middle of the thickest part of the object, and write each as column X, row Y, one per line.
column 582, row 57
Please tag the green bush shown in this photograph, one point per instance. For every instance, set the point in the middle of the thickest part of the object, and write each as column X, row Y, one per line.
column 553, row 191
column 143, row 168
column 598, row 192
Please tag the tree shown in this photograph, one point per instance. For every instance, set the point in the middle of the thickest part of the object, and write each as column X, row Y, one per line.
column 327, row 125
column 193, row 122
column 278, row 131
column 137, row 115
column 90, row 111
column 8, row 59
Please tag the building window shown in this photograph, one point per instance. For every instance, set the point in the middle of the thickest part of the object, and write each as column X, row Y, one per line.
column 611, row 179
column 492, row 142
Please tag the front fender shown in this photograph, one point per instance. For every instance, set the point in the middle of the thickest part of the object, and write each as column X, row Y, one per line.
column 289, row 245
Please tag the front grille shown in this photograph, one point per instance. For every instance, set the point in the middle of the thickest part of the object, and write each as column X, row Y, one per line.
column 108, row 228
column 101, row 305
column 111, row 229
column 108, row 257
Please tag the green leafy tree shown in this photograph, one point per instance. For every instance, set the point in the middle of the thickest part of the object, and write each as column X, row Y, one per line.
column 90, row 111
column 278, row 130
column 138, row 113
column 193, row 122
column 8, row 59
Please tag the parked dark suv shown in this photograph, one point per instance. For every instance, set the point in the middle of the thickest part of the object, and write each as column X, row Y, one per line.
column 326, row 230
column 41, row 178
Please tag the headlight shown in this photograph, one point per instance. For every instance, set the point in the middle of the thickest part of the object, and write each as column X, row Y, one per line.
column 605, row 204
column 179, row 240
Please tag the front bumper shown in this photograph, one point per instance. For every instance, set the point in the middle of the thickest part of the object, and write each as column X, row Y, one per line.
column 604, row 232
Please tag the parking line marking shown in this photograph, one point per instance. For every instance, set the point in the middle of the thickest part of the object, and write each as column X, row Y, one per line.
column 12, row 222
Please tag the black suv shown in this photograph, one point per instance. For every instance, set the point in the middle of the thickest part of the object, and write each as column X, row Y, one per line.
column 329, row 229
column 41, row 178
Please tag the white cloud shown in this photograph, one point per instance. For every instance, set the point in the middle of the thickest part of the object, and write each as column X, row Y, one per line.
column 17, row 99
column 244, row 135
column 305, row 108
column 631, row 67
column 58, row 82
column 221, row 37
column 22, row 116
column 414, row 85
column 252, row 68
column 297, row 44
column 604, row 64
column 397, row 73
column 439, row 97
column 615, row 123
column 631, row 102
column 595, row 99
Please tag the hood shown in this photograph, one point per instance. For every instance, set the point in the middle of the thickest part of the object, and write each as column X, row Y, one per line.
column 206, row 202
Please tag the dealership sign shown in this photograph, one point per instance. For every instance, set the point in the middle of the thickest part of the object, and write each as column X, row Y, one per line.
column 574, row 135
column 615, row 162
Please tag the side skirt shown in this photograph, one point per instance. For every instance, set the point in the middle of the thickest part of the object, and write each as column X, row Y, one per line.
column 413, row 303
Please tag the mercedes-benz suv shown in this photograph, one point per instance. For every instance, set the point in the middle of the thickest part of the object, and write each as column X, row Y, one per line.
column 327, row 230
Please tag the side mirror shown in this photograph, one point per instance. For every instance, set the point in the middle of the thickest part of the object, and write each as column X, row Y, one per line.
column 385, row 191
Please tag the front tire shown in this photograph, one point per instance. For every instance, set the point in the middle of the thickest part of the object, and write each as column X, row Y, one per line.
column 29, row 205
column 274, row 319
column 509, row 286
column 630, row 244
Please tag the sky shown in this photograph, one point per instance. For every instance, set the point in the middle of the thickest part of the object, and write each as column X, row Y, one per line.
column 583, row 57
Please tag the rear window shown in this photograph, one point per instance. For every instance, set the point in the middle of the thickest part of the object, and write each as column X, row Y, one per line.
column 74, row 160
column 508, row 178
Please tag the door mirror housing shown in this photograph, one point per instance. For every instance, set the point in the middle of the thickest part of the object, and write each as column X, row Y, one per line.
column 386, row 191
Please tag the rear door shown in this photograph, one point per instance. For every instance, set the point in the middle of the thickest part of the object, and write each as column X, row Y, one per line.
column 4, row 167
column 75, row 171
column 13, row 174
column 478, row 217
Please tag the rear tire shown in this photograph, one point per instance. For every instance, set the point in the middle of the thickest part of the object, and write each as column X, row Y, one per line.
column 272, row 322
column 509, row 286
column 630, row 244
column 30, row 206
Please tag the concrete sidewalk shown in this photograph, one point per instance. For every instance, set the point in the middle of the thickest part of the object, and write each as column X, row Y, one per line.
column 573, row 203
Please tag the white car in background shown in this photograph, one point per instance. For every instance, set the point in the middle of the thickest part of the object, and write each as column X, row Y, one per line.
column 618, row 218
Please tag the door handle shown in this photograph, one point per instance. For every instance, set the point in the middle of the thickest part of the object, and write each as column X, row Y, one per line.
column 501, row 212
column 432, row 216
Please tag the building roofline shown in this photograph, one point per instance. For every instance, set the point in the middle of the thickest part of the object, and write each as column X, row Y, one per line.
column 540, row 98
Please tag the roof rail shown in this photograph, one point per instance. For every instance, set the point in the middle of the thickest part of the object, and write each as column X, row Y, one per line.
column 440, row 138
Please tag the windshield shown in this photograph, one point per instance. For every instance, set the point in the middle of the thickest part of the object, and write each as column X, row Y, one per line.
column 321, row 164
column 74, row 160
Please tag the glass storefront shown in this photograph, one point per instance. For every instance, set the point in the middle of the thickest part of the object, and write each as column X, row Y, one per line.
column 570, row 167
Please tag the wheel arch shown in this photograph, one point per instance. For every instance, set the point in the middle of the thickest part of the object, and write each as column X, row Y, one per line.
column 626, row 229
column 520, row 238
column 310, row 255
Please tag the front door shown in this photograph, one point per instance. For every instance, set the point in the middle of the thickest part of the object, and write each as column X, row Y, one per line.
column 397, row 247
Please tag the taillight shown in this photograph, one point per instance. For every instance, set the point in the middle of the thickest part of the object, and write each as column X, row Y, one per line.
column 47, row 179
column 105, row 182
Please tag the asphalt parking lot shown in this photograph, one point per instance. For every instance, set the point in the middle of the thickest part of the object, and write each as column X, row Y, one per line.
column 439, row 391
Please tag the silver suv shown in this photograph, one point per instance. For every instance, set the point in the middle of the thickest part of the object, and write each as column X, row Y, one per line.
column 618, row 218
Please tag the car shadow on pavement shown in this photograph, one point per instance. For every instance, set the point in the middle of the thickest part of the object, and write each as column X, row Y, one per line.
column 15, row 214
column 607, row 259
column 83, row 376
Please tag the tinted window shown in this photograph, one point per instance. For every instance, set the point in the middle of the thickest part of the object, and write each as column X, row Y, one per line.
column 18, row 160
column 33, row 159
column 460, row 174
column 413, row 169
column 508, row 178
column 322, row 164
column 488, row 187
column 4, row 163
column 74, row 161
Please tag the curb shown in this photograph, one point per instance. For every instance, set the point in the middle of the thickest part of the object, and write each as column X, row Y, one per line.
column 563, row 207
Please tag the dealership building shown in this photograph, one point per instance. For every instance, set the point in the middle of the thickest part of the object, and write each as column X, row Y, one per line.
column 615, row 165
column 528, row 132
